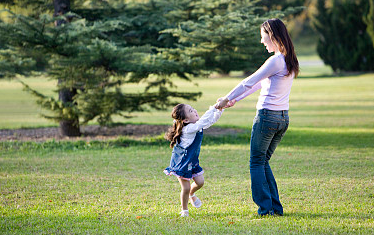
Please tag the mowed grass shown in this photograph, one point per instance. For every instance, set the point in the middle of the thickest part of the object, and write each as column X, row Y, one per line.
column 325, row 179
column 324, row 167
column 332, row 102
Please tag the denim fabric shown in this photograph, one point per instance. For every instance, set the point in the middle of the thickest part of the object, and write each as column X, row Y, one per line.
column 185, row 162
column 268, row 129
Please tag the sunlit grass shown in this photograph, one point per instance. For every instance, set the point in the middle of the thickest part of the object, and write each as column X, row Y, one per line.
column 325, row 178
column 314, row 102
column 324, row 168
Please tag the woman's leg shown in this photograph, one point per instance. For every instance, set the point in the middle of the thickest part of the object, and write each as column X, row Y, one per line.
column 273, row 189
column 277, row 206
column 264, row 129
column 186, row 187
column 268, row 130
column 196, row 185
column 259, row 186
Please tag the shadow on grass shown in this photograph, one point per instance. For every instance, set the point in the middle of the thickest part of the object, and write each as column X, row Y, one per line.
column 327, row 215
column 299, row 138
column 121, row 142
column 314, row 138
column 334, row 75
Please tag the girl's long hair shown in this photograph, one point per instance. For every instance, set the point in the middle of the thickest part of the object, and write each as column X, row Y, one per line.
column 174, row 133
column 278, row 34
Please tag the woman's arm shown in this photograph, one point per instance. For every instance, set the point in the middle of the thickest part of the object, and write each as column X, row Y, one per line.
column 269, row 68
column 252, row 83
column 249, row 92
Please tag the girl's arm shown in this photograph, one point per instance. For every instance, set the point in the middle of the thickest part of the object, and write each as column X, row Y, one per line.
column 216, row 115
column 270, row 67
column 208, row 119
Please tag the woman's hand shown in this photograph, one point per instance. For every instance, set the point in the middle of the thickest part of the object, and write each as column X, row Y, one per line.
column 230, row 104
column 221, row 103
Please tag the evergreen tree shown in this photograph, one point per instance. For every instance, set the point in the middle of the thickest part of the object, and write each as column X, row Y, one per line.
column 369, row 21
column 98, row 50
column 343, row 42
column 225, row 34
column 92, row 65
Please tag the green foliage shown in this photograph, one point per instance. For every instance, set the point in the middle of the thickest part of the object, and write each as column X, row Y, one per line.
column 225, row 34
column 344, row 43
column 11, row 63
column 104, row 46
column 94, row 64
column 369, row 21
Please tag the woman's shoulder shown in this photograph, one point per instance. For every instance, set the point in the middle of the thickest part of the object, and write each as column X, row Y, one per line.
column 276, row 60
column 277, row 57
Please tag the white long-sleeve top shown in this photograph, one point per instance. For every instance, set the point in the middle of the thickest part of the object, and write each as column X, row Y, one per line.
column 274, row 82
column 208, row 119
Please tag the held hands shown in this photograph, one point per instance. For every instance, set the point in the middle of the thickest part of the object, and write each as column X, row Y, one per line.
column 223, row 103
column 230, row 104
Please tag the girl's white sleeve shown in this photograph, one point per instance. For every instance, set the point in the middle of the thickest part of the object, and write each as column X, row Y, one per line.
column 208, row 119
column 216, row 115
column 270, row 67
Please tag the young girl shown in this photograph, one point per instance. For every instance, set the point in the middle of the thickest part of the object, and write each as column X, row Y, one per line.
column 185, row 138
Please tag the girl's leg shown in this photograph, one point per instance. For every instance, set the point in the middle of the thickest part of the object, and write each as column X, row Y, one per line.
column 186, row 187
column 196, row 185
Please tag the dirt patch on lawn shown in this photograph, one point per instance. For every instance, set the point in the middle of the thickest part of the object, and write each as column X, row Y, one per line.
column 100, row 133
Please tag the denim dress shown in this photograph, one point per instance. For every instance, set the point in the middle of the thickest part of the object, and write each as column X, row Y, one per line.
column 184, row 162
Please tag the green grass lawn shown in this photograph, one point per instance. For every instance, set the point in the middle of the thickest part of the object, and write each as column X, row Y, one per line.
column 324, row 168
column 332, row 102
column 325, row 178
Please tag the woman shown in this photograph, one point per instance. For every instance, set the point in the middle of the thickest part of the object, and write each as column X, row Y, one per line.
column 274, row 78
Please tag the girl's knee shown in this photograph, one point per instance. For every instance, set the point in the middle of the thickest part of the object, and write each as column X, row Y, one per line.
column 186, row 190
column 199, row 183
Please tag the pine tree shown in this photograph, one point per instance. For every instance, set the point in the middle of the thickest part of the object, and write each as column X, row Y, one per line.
column 225, row 34
column 343, row 42
column 92, row 64
column 97, row 51
column 369, row 21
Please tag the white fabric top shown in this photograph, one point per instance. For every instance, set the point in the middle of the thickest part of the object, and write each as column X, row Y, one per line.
column 189, row 132
column 275, row 85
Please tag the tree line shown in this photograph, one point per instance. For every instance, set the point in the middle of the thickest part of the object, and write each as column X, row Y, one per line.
column 95, row 49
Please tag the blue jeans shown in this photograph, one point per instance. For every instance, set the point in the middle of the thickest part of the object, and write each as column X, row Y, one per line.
column 268, row 129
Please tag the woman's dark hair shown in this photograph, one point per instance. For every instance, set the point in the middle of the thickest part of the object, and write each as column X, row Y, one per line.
column 278, row 34
column 174, row 133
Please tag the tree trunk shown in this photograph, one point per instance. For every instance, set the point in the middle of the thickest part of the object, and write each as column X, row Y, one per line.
column 67, row 127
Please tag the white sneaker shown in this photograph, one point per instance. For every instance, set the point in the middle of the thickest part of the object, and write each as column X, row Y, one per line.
column 184, row 213
column 197, row 203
